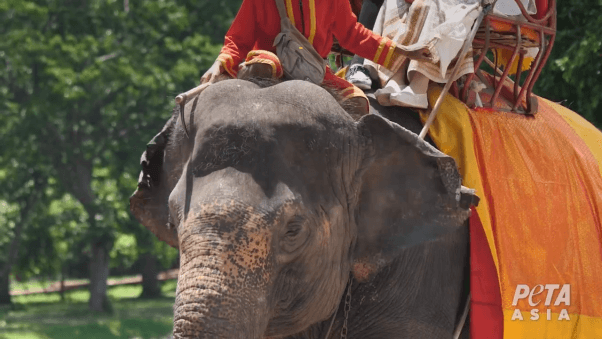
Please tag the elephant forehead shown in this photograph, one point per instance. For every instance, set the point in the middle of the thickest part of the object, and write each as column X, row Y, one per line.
column 236, row 222
column 239, row 93
column 228, row 214
column 294, row 103
column 228, row 192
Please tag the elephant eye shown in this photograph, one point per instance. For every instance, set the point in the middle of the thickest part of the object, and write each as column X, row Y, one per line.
column 295, row 235
column 293, row 230
column 294, row 227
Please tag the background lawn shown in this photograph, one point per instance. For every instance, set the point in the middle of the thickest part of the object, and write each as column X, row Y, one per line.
column 44, row 316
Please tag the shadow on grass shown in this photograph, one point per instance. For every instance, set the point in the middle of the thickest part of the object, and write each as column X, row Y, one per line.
column 131, row 317
column 112, row 329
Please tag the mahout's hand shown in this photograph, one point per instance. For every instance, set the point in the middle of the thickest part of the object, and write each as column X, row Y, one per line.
column 414, row 52
column 213, row 73
column 423, row 53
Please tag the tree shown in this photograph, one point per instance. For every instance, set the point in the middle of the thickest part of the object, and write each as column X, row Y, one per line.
column 87, row 80
column 25, row 205
column 23, row 184
column 573, row 71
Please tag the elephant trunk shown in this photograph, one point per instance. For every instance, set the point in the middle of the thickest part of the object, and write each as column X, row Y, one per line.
column 221, row 289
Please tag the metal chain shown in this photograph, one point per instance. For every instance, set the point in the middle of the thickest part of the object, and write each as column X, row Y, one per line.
column 347, row 308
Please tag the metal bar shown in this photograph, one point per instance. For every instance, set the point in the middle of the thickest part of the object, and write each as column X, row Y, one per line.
column 464, row 95
column 542, row 63
column 532, row 19
column 499, row 86
column 454, row 89
column 530, row 77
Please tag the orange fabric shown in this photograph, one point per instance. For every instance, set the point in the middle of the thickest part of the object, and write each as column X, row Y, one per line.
column 228, row 64
column 266, row 57
column 347, row 89
column 258, row 22
column 540, row 183
column 502, row 26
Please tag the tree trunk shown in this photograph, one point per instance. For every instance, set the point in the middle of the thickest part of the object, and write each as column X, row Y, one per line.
column 99, row 273
column 62, row 292
column 81, row 188
column 28, row 205
column 4, row 289
column 150, row 283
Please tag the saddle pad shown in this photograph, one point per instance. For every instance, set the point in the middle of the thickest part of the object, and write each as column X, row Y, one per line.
column 537, row 228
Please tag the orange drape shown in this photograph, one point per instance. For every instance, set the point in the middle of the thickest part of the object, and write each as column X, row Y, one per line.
column 540, row 182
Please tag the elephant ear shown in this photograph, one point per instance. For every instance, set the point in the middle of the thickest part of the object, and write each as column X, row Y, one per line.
column 409, row 192
column 149, row 203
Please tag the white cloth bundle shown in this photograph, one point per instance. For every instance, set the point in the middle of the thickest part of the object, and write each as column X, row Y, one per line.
column 442, row 25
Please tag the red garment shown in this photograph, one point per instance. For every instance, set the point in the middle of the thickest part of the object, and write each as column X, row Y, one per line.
column 258, row 22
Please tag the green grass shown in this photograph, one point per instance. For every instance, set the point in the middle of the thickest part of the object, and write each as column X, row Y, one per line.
column 44, row 316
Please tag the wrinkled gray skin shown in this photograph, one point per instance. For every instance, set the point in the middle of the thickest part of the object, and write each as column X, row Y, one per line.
column 278, row 195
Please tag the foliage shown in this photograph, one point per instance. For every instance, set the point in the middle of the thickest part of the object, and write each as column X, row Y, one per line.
column 572, row 74
column 44, row 316
column 83, row 87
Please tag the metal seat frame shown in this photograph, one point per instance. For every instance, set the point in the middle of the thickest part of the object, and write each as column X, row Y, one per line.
column 545, row 27
column 518, row 97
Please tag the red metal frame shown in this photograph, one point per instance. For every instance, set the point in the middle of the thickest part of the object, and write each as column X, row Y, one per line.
column 546, row 29
column 543, row 23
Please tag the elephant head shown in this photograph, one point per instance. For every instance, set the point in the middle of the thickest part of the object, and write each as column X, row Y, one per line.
column 278, row 195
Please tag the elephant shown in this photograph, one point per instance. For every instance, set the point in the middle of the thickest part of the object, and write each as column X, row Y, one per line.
column 295, row 218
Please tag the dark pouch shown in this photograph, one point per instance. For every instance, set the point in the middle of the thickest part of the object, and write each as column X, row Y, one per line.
column 298, row 57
